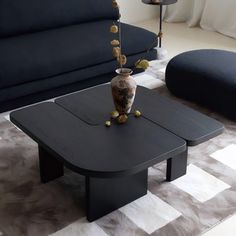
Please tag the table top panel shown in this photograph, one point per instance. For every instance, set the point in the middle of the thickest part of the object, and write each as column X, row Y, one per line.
column 97, row 150
column 183, row 121
column 94, row 105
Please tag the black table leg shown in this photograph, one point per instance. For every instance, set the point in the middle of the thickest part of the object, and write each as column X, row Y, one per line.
column 50, row 167
column 106, row 195
column 176, row 166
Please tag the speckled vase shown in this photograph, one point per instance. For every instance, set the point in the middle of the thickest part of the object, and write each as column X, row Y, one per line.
column 123, row 90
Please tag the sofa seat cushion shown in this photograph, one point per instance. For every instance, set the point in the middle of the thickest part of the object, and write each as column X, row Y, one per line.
column 83, row 76
column 49, row 53
column 207, row 77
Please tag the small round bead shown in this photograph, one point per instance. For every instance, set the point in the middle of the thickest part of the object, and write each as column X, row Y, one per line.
column 114, row 114
column 122, row 119
column 114, row 29
column 115, row 42
column 108, row 123
column 137, row 113
column 116, row 52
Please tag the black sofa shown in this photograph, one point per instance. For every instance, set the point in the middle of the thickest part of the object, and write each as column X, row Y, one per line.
column 50, row 48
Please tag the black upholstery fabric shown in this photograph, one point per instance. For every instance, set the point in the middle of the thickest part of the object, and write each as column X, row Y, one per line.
column 27, row 16
column 36, row 56
column 207, row 77
column 28, row 93
column 52, row 47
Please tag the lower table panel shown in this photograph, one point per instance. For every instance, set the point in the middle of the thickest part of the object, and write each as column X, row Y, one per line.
column 106, row 195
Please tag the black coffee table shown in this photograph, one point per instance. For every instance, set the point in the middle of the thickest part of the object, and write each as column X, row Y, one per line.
column 71, row 133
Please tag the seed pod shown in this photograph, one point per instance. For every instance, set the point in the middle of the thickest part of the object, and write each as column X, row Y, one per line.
column 114, row 29
column 122, row 59
column 116, row 52
column 114, row 114
column 108, row 123
column 115, row 42
column 142, row 64
column 115, row 4
column 137, row 113
column 122, row 119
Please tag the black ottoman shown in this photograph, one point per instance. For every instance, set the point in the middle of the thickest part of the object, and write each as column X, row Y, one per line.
column 207, row 77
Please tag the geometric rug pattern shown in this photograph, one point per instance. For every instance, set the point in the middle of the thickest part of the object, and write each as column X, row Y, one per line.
column 150, row 213
column 187, row 206
column 226, row 156
column 81, row 227
column 199, row 184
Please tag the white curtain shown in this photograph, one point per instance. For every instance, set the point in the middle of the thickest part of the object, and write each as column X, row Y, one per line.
column 214, row 15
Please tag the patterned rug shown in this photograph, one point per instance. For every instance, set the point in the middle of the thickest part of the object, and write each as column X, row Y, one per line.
column 187, row 206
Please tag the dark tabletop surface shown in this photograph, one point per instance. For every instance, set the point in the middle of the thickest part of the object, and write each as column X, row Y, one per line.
column 93, row 106
column 159, row 2
column 72, row 129
column 95, row 150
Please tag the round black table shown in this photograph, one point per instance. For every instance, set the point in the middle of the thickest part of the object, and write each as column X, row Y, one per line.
column 160, row 3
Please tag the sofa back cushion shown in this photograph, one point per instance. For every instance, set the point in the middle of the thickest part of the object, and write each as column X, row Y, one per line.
column 27, row 16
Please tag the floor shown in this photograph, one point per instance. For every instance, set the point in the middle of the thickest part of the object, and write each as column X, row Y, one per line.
column 179, row 38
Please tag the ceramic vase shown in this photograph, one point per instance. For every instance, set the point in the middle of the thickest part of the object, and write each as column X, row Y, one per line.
column 123, row 90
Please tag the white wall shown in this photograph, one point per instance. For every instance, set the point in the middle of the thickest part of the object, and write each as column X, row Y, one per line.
column 135, row 11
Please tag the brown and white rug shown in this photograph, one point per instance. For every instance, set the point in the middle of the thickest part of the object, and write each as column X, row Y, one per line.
column 187, row 206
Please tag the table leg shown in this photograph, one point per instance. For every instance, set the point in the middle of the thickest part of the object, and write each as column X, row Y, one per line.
column 50, row 167
column 176, row 166
column 105, row 195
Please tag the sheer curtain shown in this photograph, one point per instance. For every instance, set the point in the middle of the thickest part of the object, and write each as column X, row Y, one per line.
column 214, row 15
